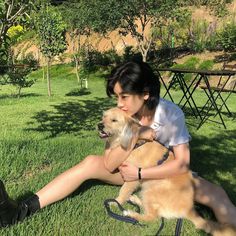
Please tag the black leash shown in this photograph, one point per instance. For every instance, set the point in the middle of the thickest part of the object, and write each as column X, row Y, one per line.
column 178, row 227
column 133, row 221
column 161, row 227
column 126, row 219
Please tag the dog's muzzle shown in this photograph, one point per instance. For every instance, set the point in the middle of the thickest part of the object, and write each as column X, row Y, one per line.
column 102, row 133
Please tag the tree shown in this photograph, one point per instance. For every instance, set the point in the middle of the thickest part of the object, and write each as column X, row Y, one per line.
column 50, row 29
column 76, row 25
column 19, row 78
column 140, row 18
column 135, row 17
column 11, row 11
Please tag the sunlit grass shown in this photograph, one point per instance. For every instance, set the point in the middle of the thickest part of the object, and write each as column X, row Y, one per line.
column 41, row 137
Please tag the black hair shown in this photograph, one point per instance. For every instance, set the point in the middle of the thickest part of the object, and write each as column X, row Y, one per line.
column 135, row 78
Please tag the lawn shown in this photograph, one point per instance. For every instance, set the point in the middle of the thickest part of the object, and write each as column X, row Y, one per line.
column 41, row 137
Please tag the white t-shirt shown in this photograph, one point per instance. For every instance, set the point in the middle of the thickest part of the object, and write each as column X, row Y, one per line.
column 169, row 124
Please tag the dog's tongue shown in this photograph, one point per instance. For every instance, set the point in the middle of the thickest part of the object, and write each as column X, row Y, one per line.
column 103, row 135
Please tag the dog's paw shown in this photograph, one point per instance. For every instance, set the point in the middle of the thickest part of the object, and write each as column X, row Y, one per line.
column 127, row 213
column 135, row 199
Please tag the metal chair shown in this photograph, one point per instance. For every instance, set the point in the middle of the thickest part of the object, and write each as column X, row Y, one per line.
column 224, row 85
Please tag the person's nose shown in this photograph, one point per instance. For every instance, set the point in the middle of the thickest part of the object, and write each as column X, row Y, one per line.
column 119, row 103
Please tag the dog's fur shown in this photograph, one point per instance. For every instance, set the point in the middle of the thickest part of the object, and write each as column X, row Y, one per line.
column 170, row 197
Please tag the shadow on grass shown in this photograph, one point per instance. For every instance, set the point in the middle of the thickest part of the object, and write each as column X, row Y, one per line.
column 194, row 121
column 86, row 186
column 21, row 96
column 83, row 188
column 78, row 92
column 215, row 158
column 71, row 117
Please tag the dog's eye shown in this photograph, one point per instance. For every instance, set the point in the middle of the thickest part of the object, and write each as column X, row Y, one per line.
column 114, row 120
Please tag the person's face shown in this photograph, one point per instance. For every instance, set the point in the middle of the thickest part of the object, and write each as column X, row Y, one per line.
column 129, row 103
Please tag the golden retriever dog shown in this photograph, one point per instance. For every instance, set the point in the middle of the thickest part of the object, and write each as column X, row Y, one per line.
column 170, row 197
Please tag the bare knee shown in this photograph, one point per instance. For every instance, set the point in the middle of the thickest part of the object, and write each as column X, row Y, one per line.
column 219, row 191
column 92, row 162
column 209, row 193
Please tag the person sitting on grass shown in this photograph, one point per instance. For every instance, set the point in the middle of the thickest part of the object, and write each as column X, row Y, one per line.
column 137, row 91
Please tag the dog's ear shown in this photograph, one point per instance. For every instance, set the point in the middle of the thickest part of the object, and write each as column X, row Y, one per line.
column 130, row 130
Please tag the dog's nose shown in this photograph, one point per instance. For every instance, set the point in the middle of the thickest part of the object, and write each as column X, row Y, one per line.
column 100, row 126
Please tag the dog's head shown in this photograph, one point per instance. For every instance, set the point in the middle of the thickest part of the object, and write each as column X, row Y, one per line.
column 118, row 128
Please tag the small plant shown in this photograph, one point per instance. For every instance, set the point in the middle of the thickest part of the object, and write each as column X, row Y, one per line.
column 206, row 65
column 15, row 33
column 84, row 76
column 18, row 77
column 111, row 57
column 228, row 37
column 30, row 61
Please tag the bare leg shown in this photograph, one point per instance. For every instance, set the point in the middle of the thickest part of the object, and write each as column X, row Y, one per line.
column 216, row 198
column 92, row 167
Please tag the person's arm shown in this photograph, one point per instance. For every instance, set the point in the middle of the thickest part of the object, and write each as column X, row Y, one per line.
column 114, row 157
column 178, row 166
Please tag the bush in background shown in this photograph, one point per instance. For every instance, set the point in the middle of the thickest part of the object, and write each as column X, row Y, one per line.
column 206, row 65
column 30, row 61
column 227, row 37
column 15, row 33
column 18, row 77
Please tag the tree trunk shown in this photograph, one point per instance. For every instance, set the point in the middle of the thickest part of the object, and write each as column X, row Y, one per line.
column 144, row 47
column 48, row 77
column 144, row 55
column 19, row 92
column 77, row 69
column 43, row 72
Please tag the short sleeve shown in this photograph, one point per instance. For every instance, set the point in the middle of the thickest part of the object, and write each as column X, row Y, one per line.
column 178, row 132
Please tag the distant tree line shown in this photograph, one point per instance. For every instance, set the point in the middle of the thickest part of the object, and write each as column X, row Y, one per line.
column 154, row 24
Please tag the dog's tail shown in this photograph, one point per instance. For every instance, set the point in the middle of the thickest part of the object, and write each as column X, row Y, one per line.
column 213, row 228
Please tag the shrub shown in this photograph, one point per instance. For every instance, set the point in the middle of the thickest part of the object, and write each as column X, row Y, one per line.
column 197, row 38
column 111, row 57
column 212, row 43
column 18, row 77
column 206, row 65
column 228, row 37
column 130, row 54
column 191, row 63
column 29, row 60
column 15, row 33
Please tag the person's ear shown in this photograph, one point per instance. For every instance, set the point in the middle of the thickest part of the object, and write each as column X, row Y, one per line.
column 146, row 96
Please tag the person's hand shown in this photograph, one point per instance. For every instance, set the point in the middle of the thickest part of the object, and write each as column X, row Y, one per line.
column 147, row 133
column 128, row 171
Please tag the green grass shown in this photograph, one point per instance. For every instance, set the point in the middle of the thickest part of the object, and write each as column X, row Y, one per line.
column 41, row 137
